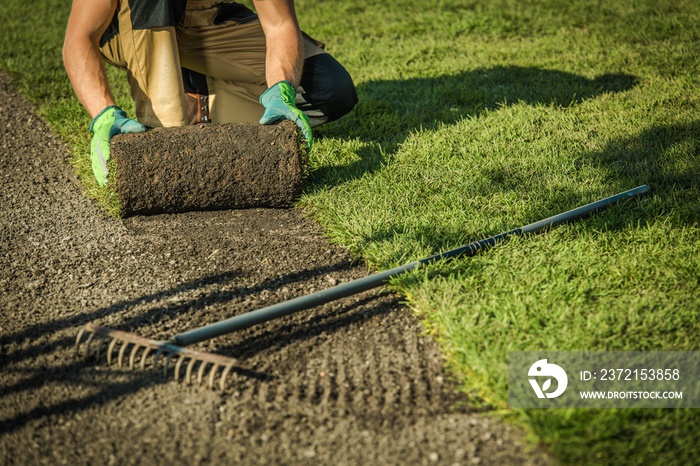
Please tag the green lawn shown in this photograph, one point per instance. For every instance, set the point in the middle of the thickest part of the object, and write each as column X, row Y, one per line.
column 479, row 116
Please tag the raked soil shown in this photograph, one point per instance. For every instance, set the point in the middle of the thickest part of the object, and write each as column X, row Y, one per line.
column 355, row 381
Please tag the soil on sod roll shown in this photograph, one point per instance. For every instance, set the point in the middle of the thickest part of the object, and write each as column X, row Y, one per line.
column 208, row 167
column 352, row 382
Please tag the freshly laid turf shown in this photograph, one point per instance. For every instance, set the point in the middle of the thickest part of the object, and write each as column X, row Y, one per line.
column 476, row 117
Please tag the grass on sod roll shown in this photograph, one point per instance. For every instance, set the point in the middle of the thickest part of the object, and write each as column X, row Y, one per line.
column 476, row 117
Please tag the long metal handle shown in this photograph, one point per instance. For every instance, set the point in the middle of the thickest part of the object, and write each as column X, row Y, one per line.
column 343, row 290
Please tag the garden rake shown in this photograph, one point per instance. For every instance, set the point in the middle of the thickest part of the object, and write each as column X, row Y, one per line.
column 135, row 350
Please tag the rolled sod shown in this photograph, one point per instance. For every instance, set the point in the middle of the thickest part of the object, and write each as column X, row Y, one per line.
column 208, row 167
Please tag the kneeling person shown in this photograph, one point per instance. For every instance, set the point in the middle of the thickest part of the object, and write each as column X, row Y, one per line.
column 198, row 61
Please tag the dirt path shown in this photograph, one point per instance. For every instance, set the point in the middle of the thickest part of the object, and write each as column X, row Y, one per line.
column 353, row 382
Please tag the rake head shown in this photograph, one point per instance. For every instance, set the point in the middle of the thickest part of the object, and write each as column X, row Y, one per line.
column 128, row 349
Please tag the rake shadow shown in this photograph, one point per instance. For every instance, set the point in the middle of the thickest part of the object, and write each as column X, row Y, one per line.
column 325, row 323
column 70, row 373
column 157, row 312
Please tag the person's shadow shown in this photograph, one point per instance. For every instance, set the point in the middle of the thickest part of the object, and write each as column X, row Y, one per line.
column 388, row 111
column 666, row 157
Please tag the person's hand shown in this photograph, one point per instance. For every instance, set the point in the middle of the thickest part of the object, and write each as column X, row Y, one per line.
column 279, row 105
column 108, row 123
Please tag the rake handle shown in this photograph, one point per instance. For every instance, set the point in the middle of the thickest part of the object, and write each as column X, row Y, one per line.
column 343, row 290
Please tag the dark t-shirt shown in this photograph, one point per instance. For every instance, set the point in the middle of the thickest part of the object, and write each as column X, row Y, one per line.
column 147, row 14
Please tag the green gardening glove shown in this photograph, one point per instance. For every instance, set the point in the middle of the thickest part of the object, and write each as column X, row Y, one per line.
column 108, row 123
column 279, row 105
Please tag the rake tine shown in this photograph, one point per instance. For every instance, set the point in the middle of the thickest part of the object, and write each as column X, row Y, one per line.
column 88, row 342
column 188, row 373
column 77, row 341
column 178, row 365
column 110, row 350
column 200, row 373
column 144, row 356
column 132, row 357
column 212, row 375
column 224, row 374
column 122, row 350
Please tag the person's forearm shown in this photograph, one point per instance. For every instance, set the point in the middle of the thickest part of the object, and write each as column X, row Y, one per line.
column 285, row 55
column 87, row 74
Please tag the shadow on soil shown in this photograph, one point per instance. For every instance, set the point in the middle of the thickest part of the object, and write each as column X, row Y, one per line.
column 156, row 313
column 79, row 373
column 71, row 375
column 320, row 324
column 388, row 111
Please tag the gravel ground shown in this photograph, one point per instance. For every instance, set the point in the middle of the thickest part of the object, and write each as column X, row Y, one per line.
column 356, row 381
